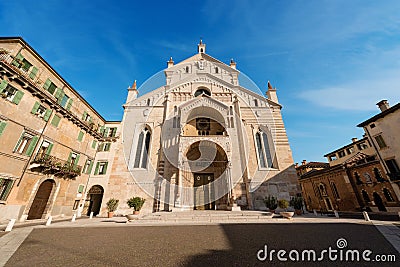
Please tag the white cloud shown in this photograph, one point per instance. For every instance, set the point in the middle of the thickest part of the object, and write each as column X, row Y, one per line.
column 359, row 95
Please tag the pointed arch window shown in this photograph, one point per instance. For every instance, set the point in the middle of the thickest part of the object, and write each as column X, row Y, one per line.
column 365, row 196
column 142, row 149
column 388, row 195
column 263, row 149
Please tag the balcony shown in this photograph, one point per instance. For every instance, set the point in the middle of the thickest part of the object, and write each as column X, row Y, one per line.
column 47, row 164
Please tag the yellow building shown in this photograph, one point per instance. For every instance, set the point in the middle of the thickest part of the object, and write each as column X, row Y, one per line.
column 48, row 136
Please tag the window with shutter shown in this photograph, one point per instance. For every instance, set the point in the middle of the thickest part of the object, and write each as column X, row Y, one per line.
column 56, row 120
column 3, row 85
column 26, row 144
column 3, row 125
column 5, row 188
column 94, row 143
column 80, row 136
column 33, row 73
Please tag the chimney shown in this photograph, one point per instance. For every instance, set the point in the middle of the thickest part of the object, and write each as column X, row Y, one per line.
column 296, row 165
column 271, row 93
column 170, row 63
column 383, row 105
column 354, row 139
column 304, row 162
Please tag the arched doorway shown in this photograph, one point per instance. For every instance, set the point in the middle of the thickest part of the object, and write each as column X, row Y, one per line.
column 40, row 202
column 379, row 202
column 207, row 162
column 93, row 200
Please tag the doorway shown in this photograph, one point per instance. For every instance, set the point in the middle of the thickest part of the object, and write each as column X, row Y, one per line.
column 93, row 200
column 41, row 200
column 204, row 191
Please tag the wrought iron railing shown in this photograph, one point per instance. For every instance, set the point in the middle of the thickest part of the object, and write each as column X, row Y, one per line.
column 56, row 166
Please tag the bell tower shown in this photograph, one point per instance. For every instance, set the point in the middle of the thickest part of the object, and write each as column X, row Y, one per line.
column 201, row 48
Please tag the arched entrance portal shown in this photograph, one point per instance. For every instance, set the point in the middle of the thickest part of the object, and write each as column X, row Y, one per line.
column 41, row 200
column 93, row 200
column 208, row 164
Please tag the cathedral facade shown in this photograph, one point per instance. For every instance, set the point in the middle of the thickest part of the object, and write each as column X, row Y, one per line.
column 201, row 141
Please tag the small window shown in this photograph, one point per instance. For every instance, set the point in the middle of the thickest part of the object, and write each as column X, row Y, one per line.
column 3, row 126
column 112, row 132
column 380, row 141
column 101, row 168
column 26, row 144
column 50, row 86
column 341, row 154
column 216, row 70
column 187, row 69
column 388, row 195
column 5, row 188
column 332, row 157
column 358, row 178
column 88, row 166
column 45, row 149
column 335, row 191
column 56, row 120
column 322, row 190
column 148, row 102
column 362, row 146
column 80, row 136
column 372, row 125
column 350, row 150
column 80, row 188
column 365, row 196
column 94, row 143
column 255, row 102
column 26, row 65
column 76, row 204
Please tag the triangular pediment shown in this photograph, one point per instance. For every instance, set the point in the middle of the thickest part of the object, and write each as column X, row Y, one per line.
column 203, row 101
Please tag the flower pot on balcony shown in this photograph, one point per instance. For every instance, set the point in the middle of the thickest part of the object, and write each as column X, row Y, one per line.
column 110, row 214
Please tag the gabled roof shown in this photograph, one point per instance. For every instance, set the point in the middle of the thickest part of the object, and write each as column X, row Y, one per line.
column 380, row 115
column 204, row 56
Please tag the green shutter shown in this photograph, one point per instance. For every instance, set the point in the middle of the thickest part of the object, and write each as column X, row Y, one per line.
column 101, row 129
column 106, row 132
column 84, row 115
column 8, row 189
column 33, row 73
column 105, row 168
column 69, row 104
column 100, row 147
column 3, row 125
column 56, row 120
column 47, row 115
column 49, row 148
column 80, row 188
column 57, row 95
column 77, row 159
column 19, row 141
column 107, row 147
column 35, row 108
column 96, row 170
column 32, row 145
column 3, row 85
column 89, row 170
column 94, row 143
column 18, row 58
column 69, row 158
column 47, row 84
column 114, row 132
column 80, row 136
column 17, row 97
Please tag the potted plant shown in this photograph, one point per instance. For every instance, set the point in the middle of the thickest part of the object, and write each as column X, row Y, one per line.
column 297, row 203
column 112, row 206
column 284, row 204
column 136, row 203
column 271, row 203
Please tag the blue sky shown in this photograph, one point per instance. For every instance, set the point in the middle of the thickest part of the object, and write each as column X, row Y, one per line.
column 331, row 61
